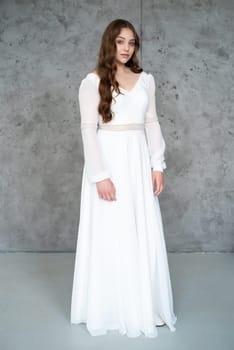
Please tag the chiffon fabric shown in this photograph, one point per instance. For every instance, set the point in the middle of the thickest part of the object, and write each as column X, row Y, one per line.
column 121, row 275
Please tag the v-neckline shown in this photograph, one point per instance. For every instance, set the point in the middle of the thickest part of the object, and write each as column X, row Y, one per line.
column 120, row 87
column 134, row 86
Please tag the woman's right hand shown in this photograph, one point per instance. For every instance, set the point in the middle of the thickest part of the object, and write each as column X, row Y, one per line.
column 106, row 189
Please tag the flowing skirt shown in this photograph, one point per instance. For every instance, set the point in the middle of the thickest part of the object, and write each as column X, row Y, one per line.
column 121, row 274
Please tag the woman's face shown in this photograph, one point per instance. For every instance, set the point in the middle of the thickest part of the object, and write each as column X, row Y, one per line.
column 125, row 45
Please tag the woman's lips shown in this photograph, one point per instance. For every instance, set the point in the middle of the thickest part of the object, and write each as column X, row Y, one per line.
column 126, row 56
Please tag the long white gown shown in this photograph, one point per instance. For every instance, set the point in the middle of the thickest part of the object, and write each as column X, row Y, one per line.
column 121, row 274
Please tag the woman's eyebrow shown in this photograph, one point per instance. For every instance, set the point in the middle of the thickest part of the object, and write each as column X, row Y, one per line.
column 124, row 38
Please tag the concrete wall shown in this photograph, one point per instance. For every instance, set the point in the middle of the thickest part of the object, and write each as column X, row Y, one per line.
column 46, row 48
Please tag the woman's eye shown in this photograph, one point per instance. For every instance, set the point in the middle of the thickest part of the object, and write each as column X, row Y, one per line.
column 121, row 42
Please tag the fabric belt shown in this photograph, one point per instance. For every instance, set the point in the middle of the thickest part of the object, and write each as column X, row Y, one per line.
column 119, row 127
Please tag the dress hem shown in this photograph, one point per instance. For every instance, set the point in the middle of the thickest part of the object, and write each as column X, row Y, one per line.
column 123, row 331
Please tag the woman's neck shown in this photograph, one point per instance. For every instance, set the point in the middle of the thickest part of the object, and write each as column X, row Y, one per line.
column 122, row 69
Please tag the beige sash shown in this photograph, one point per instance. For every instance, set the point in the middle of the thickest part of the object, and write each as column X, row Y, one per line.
column 119, row 127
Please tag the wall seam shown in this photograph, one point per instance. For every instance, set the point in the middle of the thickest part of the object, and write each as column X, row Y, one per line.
column 141, row 31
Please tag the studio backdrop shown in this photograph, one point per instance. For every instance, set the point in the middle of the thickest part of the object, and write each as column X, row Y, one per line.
column 47, row 47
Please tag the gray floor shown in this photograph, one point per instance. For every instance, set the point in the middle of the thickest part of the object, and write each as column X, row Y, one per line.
column 35, row 299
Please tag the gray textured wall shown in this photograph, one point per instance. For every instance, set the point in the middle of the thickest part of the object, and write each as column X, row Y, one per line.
column 46, row 48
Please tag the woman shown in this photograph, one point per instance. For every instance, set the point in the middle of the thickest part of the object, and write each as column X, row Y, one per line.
column 121, row 275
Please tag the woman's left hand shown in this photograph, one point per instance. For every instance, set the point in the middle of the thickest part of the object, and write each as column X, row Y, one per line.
column 158, row 181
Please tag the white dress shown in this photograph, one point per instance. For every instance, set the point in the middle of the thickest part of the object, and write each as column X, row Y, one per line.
column 121, row 274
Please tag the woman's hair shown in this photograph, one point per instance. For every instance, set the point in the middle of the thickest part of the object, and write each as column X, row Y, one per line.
column 106, row 65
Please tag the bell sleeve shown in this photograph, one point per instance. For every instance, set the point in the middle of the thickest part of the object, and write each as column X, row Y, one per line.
column 88, row 97
column 155, row 140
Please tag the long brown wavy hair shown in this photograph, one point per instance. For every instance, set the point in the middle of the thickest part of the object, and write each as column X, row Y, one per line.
column 106, row 67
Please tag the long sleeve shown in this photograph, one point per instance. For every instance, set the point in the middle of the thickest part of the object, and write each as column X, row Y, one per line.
column 88, row 97
column 155, row 140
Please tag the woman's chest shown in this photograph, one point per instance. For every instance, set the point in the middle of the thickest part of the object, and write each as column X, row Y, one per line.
column 133, row 102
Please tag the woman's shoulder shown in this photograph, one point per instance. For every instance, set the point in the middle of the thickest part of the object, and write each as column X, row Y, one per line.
column 148, row 75
column 89, row 79
column 92, row 75
column 149, row 78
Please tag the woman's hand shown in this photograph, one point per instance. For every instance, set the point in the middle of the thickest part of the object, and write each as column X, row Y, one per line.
column 158, row 181
column 106, row 189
